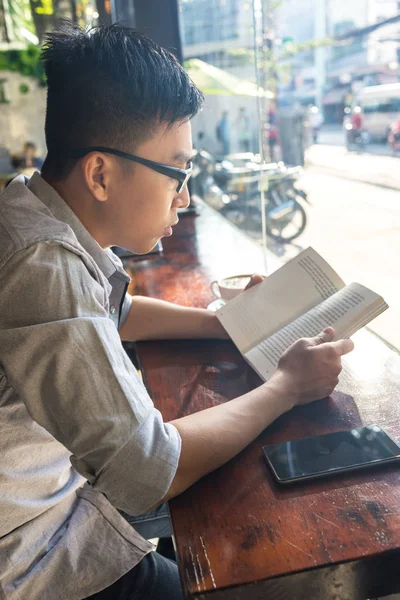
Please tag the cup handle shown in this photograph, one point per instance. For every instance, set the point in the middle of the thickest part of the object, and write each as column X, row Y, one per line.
column 215, row 289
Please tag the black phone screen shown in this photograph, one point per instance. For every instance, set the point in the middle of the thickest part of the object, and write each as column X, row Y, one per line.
column 326, row 454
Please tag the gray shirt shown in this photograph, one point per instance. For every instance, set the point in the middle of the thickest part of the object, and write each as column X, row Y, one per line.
column 79, row 434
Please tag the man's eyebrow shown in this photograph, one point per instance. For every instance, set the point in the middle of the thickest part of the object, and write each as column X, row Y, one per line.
column 182, row 156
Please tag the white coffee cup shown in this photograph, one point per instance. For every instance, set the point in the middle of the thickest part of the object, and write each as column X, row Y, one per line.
column 229, row 287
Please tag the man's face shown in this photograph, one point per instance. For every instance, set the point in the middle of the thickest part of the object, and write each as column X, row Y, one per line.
column 29, row 151
column 144, row 203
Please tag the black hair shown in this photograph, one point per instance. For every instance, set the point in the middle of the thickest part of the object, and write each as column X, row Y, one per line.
column 108, row 86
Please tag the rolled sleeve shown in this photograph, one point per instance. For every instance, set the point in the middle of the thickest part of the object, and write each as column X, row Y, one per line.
column 154, row 467
column 64, row 357
column 125, row 308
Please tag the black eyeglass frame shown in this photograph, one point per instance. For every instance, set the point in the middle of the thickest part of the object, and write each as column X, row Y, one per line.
column 181, row 175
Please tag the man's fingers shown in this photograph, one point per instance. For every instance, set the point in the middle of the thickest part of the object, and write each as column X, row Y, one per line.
column 326, row 335
column 255, row 279
column 343, row 346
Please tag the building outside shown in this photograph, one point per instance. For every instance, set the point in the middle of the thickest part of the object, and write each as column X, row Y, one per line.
column 221, row 33
column 295, row 24
column 331, row 75
column 364, row 60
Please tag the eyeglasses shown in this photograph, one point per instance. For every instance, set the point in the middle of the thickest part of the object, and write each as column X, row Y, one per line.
column 181, row 175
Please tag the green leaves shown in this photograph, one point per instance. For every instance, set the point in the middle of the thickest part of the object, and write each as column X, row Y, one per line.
column 26, row 61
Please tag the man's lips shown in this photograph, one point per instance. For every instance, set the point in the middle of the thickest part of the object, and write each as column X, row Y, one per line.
column 168, row 229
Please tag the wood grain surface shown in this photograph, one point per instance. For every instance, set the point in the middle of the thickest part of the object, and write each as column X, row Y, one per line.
column 239, row 534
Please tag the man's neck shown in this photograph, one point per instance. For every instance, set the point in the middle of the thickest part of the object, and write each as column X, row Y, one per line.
column 82, row 204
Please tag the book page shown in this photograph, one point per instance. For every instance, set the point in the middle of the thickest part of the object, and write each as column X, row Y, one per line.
column 257, row 313
column 346, row 311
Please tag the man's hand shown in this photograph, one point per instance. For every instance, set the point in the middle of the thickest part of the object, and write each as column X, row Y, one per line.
column 309, row 370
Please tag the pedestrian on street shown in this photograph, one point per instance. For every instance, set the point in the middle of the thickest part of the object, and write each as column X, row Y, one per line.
column 316, row 121
column 243, row 129
column 223, row 132
column 272, row 133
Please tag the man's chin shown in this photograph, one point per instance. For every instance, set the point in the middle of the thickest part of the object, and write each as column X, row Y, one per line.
column 153, row 247
column 144, row 249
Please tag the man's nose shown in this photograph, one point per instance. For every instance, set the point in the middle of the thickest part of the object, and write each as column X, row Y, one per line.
column 184, row 198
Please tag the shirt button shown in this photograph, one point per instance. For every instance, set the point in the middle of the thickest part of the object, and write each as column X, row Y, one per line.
column 112, row 310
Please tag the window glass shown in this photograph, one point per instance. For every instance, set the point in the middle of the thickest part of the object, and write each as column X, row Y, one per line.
column 219, row 55
column 315, row 58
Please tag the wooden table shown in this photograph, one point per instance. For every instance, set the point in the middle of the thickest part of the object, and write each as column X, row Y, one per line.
column 238, row 534
column 4, row 177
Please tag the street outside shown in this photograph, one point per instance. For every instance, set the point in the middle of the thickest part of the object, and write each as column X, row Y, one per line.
column 355, row 225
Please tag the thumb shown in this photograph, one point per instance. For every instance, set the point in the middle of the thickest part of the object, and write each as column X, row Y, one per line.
column 326, row 335
column 254, row 280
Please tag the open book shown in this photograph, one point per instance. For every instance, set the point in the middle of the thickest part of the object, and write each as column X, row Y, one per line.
column 298, row 300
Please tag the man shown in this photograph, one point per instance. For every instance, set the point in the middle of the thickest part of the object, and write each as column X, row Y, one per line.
column 354, row 127
column 224, row 133
column 316, row 121
column 243, row 128
column 27, row 161
column 80, row 437
column 29, row 158
column 272, row 133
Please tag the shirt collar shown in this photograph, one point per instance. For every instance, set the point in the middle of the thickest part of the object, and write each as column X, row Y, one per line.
column 105, row 259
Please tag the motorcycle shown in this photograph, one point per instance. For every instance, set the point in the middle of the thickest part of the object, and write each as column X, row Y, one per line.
column 286, row 217
column 356, row 139
column 233, row 185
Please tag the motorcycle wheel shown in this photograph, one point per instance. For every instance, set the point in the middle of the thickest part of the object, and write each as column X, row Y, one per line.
column 288, row 227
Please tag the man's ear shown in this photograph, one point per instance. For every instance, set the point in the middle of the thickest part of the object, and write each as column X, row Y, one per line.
column 97, row 170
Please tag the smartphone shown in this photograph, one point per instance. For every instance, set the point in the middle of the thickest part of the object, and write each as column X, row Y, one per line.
column 330, row 454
